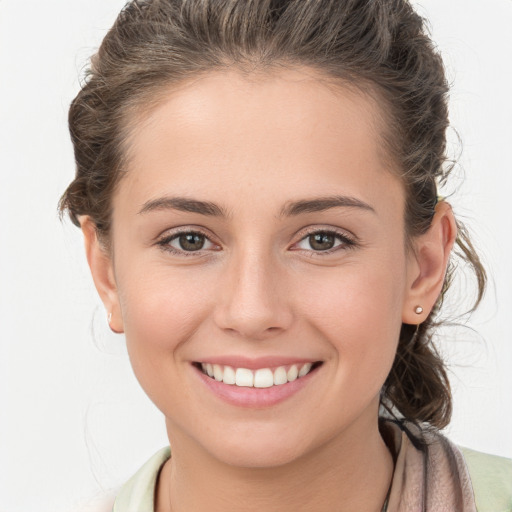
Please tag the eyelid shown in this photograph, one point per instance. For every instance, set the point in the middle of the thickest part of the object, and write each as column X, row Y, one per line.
column 343, row 233
column 318, row 228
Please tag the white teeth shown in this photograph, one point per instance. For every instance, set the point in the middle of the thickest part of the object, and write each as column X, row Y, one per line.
column 280, row 376
column 261, row 378
column 305, row 369
column 244, row 377
column 218, row 374
column 229, row 375
column 292, row 373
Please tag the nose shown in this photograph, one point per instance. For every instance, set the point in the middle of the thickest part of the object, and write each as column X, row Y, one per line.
column 253, row 300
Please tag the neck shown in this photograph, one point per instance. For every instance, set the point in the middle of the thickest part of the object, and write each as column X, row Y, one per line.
column 351, row 472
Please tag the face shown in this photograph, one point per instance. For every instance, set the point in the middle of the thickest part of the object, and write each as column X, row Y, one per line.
column 258, row 234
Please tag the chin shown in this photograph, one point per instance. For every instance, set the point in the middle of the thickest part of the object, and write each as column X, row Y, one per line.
column 257, row 449
column 256, row 457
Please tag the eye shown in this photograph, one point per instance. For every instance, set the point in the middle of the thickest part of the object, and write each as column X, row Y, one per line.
column 186, row 242
column 325, row 241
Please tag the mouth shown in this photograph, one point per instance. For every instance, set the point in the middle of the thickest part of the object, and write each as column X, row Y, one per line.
column 257, row 378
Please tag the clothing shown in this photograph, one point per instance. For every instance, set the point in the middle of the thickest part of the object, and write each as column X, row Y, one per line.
column 491, row 477
column 431, row 475
column 137, row 495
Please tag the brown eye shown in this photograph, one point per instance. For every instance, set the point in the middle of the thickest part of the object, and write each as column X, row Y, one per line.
column 191, row 241
column 325, row 241
column 321, row 241
column 188, row 243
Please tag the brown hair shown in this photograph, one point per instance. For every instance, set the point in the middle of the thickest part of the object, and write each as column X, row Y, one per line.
column 380, row 45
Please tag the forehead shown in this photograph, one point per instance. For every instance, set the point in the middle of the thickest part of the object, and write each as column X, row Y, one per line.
column 290, row 129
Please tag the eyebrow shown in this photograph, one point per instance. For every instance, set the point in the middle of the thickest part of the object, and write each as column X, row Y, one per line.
column 321, row 204
column 184, row 204
column 291, row 209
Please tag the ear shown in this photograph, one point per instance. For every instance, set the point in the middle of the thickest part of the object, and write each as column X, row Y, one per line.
column 427, row 264
column 102, row 270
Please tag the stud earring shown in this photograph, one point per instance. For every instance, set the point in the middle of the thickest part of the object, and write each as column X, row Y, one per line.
column 418, row 310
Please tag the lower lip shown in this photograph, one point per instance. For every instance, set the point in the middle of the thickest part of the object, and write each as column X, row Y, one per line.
column 257, row 398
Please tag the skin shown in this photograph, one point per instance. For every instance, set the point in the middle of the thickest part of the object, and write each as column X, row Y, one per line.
column 252, row 145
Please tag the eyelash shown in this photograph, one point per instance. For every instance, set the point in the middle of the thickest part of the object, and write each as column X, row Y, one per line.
column 347, row 242
column 164, row 242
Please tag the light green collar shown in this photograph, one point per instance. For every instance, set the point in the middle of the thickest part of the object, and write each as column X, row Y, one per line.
column 138, row 494
column 491, row 477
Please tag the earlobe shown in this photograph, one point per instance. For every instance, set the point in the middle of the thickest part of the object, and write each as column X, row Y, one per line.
column 428, row 264
column 102, row 271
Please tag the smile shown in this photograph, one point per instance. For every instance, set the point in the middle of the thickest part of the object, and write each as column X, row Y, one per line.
column 257, row 383
column 258, row 378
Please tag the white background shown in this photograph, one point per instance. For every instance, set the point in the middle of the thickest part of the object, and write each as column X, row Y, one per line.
column 73, row 421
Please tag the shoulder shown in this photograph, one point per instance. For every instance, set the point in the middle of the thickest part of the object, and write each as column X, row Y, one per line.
column 491, row 478
column 486, row 480
column 137, row 495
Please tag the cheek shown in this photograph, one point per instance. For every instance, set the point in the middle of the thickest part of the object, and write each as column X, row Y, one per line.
column 160, row 312
column 358, row 311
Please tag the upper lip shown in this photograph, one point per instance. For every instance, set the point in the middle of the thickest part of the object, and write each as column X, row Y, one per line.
column 255, row 363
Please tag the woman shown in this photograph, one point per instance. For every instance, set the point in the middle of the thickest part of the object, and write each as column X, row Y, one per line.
column 257, row 188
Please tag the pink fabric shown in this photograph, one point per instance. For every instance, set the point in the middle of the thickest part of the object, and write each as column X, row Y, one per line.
column 430, row 473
